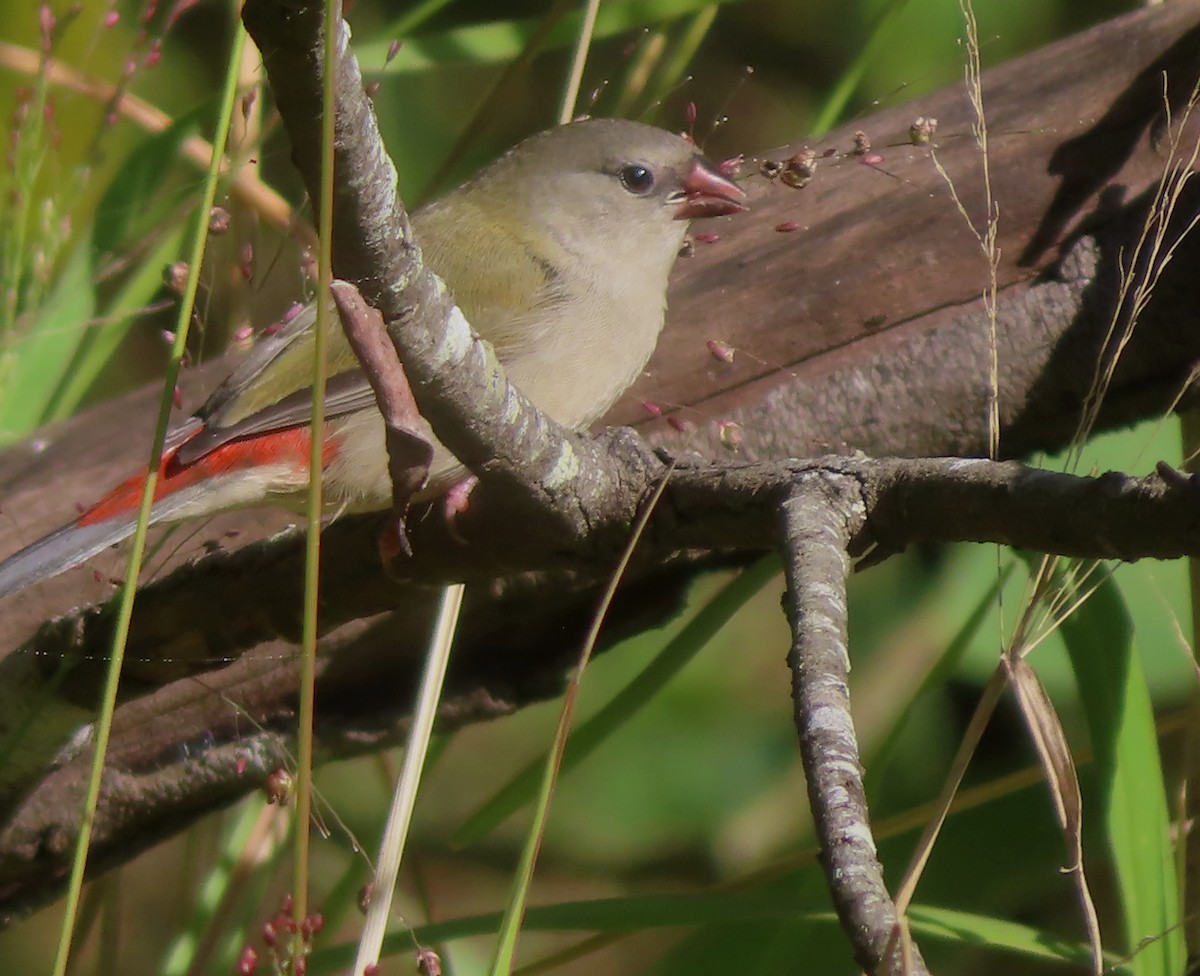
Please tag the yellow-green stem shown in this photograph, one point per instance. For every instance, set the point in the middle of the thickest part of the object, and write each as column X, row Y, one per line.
column 1189, row 801
column 514, row 912
column 312, row 549
column 583, row 44
column 129, row 589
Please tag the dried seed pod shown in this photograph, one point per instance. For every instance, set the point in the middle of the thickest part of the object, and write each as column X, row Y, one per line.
column 731, row 168
column 730, row 434
column 279, row 786
column 721, row 350
column 175, row 277
column 429, row 963
column 799, row 170
column 922, row 130
column 219, row 220
column 770, row 168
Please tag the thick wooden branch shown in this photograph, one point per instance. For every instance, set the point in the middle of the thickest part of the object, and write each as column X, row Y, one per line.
column 863, row 330
column 859, row 330
column 362, row 682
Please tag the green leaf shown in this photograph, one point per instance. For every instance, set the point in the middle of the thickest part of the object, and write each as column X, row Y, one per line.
column 35, row 365
column 101, row 341
column 1120, row 718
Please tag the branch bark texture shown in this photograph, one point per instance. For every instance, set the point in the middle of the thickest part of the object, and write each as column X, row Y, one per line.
column 860, row 331
column 815, row 533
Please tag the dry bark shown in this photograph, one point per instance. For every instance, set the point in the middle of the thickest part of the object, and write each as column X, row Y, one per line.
column 861, row 330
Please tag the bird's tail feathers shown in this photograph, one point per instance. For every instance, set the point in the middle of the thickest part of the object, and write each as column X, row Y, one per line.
column 78, row 541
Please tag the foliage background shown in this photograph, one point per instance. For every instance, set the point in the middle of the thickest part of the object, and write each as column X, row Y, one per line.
column 704, row 786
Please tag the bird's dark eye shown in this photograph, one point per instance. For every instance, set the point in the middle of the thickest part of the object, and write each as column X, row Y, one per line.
column 636, row 178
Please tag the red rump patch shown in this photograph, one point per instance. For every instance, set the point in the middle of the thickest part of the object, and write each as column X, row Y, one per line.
column 292, row 445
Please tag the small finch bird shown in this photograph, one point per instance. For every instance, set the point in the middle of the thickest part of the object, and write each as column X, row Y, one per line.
column 558, row 254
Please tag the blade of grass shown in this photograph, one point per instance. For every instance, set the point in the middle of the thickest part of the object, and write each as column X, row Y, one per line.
column 642, row 65
column 944, row 668
column 45, row 351
column 830, row 112
column 488, row 109
column 414, row 18
column 137, row 199
column 395, row 831
column 583, row 44
column 988, row 700
column 670, row 911
column 1120, row 717
column 510, row 927
column 679, row 57
column 240, row 856
column 129, row 589
column 315, row 509
column 1062, row 779
column 1187, row 856
column 18, row 196
column 103, row 339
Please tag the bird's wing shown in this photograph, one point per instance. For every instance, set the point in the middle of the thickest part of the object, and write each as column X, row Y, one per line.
column 497, row 280
column 278, row 366
column 344, row 393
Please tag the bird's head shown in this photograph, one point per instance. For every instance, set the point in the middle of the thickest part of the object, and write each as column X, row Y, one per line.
column 615, row 194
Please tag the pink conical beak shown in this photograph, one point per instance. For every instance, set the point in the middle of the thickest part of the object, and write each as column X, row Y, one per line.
column 709, row 194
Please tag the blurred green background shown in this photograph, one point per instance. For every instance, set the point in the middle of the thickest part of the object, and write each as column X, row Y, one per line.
column 693, row 814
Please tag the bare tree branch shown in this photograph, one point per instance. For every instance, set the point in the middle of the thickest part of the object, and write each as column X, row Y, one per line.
column 859, row 331
column 816, row 534
column 363, row 677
